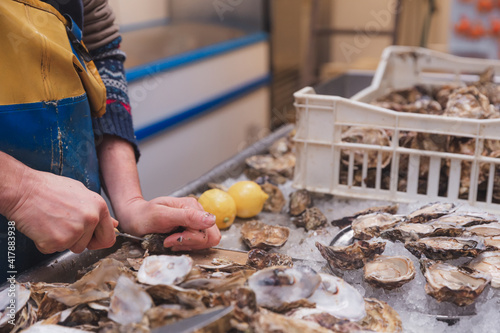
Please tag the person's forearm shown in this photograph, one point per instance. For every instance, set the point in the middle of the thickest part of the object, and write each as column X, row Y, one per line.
column 13, row 176
column 119, row 172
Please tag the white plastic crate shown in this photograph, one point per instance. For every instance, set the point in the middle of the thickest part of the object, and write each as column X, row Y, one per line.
column 321, row 120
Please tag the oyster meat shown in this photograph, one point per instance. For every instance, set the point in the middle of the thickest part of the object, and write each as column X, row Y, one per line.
column 338, row 298
column 381, row 317
column 444, row 248
column 165, row 270
column 281, row 288
column 311, row 219
column 352, row 256
column 299, row 201
column 261, row 259
column 430, row 212
column 389, row 272
column 260, row 235
column 371, row 225
column 488, row 263
column 448, row 283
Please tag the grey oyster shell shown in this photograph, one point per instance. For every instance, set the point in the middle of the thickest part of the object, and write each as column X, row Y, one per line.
column 352, row 256
column 448, row 283
column 371, row 225
column 444, row 248
column 311, row 219
column 430, row 212
column 389, row 272
column 299, row 201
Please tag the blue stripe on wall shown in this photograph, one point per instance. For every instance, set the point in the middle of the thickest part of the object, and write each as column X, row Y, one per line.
column 148, row 131
column 139, row 72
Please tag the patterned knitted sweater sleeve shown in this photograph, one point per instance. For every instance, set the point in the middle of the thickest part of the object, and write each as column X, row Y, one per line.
column 103, row 41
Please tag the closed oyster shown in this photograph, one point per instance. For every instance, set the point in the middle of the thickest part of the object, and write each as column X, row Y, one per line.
column 381, row 317
column 488, row 263
column 371, row 225
column 347, row 220
column 444, row 248
column 338, row 298
column 299, row 201
column 448, row 283
column 468, row 102
column 389, row 272
column 430, row 212
column 485, row 230
column 276, row 200
column 164, row 269
column 281, row 288
column 311, row 219
column 261, row 259
column 369, row 136
column 260, row 235
column 352, row 256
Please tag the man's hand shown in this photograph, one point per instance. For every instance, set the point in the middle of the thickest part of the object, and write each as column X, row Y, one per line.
column 164, row 214
column 60, row 213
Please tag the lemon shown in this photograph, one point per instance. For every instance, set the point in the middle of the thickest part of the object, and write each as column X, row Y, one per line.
column 220, row 204
column 249, row 198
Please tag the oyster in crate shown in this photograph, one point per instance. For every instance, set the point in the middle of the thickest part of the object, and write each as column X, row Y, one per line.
column 352, row 256
column 261, row 259
column 468, row 102
column 281, row 288
column 311, row 219
column 488, row 263
column 430, row 212
column 299, row 201
column 260, row 235
column 371, row 225
column 368, row 136
column 164, row 270
column 381, row 317
column 444, row 248
column 448, row 283
column 389, row 272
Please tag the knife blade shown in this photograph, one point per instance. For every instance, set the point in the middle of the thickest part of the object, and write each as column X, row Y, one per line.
column 196, row 322
column 122, row 234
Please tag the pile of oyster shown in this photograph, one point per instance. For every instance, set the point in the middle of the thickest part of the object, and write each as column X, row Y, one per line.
column 436, row 234
column 477, row 100
column 132, row 291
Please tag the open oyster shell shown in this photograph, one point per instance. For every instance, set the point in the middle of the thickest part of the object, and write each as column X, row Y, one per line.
column 448, row 283
column 413, row 231
column 444, row 248
column 430, row 212
column 371, row 225
column 282, row 288
column 347, row 220
column 389, row 272
column 261, row 259
column 485, row 230
column 260, row 235
column 492, row 243
column 488, row 263
column 352, row 256
column 165, row 270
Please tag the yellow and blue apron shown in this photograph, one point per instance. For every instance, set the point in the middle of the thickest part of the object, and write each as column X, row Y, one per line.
column 49, row 88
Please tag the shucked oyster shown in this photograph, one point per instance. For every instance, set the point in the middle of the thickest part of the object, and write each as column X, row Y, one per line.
column 371, row 225
column 488, row 263
column 264, row 236
column 485, row 230
column 381, row 317
column 352, row 256
column 282, row 288
column 465, row 220
column 165, row 270
column 389, row 272
column 347, row 220
column 414, row 231
column 444, row 248
column 430, row 212
column 448, row 283
column 299, row 201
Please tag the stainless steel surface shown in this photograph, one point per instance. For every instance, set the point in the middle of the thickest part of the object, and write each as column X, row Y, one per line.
column 345, row 237
column 195, row 323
